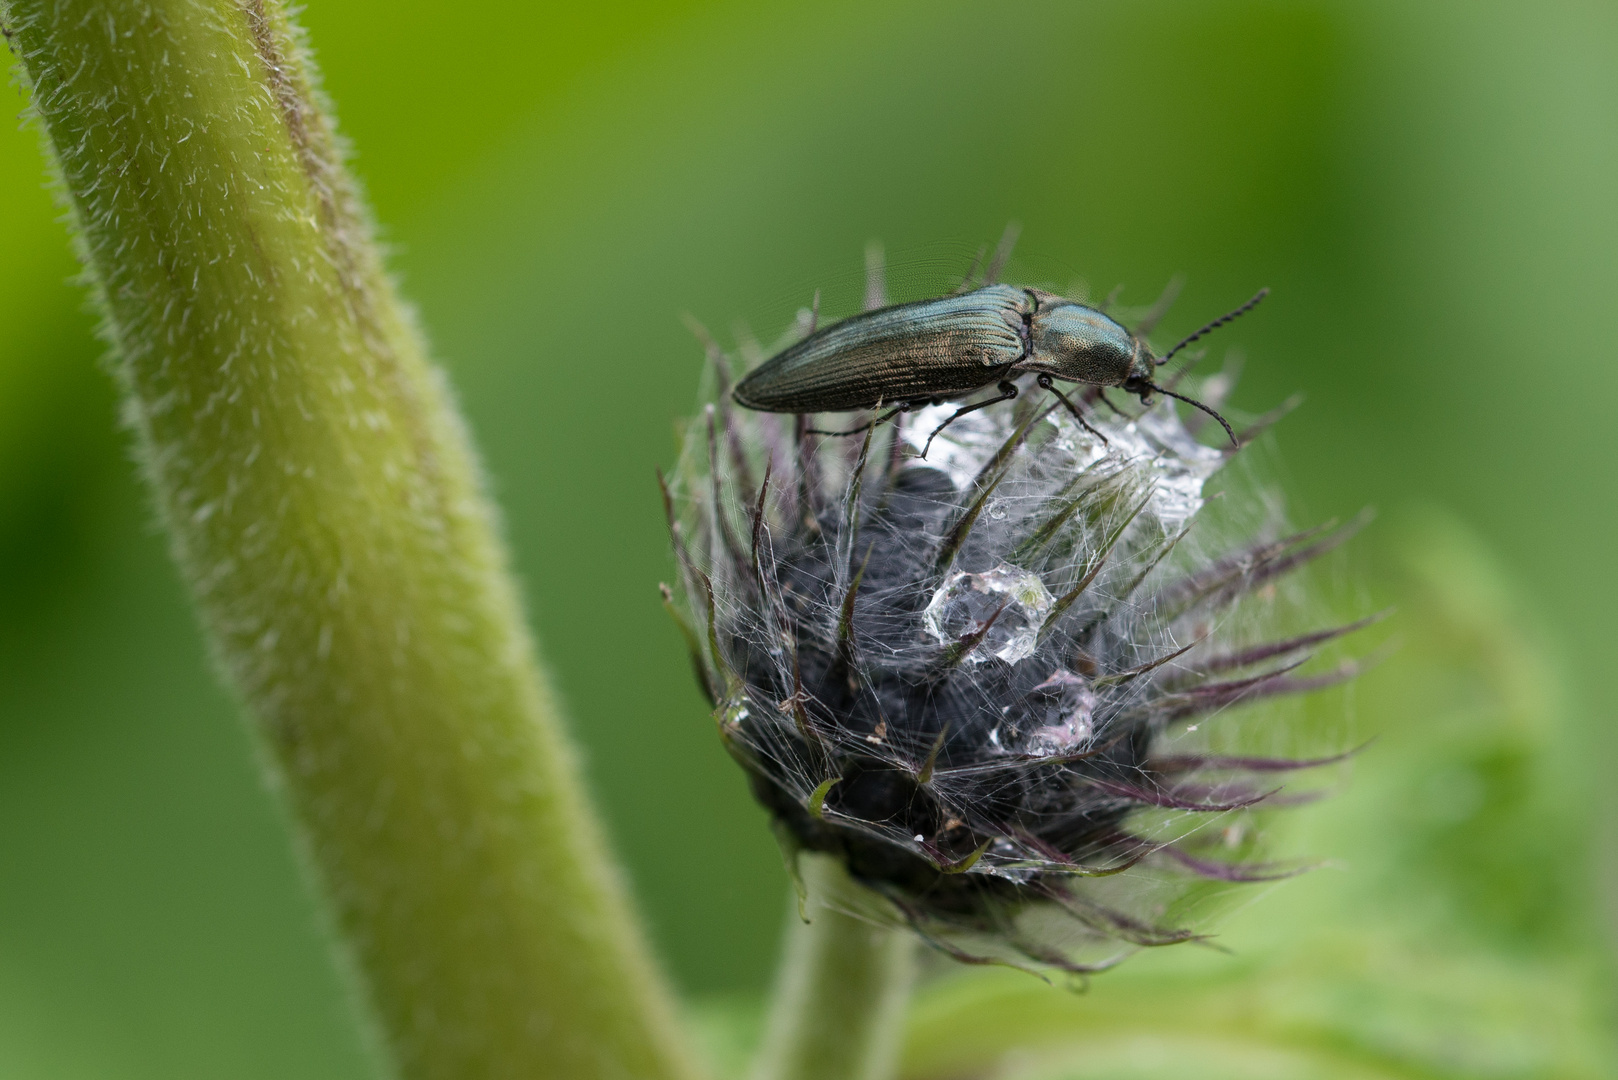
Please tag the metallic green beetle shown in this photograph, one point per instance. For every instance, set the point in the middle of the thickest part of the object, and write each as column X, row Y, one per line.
column 930, row 351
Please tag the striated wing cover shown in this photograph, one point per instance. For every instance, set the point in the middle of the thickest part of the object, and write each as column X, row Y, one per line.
column 939, row 348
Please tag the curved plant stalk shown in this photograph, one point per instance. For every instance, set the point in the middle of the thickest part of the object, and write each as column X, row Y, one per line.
column 843, row 988
column 326, row 509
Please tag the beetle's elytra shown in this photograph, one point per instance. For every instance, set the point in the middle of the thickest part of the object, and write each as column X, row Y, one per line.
column 912, row 352
column 937, row 350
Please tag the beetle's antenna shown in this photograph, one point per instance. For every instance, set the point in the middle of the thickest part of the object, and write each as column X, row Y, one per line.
column 1194, row 402
column 1216, row 324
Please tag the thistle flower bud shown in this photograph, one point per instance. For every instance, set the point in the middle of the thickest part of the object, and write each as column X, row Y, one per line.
column 984, row 679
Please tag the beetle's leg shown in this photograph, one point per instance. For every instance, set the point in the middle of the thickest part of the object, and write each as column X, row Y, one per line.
column 1046, row 382
column 867, row 425
column 1101, row 395
column 1008, row 390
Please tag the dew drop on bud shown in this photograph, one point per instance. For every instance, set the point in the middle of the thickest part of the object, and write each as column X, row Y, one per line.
column 966, row 601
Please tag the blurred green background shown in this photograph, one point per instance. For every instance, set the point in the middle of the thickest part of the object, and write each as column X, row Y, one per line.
column 1428, row 188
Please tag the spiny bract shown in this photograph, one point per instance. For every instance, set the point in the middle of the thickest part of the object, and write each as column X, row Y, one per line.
column 984, row 679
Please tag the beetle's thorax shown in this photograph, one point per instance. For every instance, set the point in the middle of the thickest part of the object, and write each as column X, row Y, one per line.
column 1143, row 363
column 1072, row 341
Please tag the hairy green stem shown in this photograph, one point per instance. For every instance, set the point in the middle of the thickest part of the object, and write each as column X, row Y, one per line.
column 326, row 509
column 843, row 989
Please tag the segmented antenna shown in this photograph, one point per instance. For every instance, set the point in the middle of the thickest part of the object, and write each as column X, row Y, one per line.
column 1205, row 408
column 1216, row 324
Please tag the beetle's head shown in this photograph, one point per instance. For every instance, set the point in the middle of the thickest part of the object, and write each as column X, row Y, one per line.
column 1081, row 344
column 1142, row 367
column 1071, row 341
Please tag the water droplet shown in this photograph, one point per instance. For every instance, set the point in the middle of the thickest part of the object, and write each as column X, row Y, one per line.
column 1068, row 714
column 965, row 602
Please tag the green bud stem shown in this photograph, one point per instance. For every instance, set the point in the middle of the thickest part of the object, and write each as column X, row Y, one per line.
column 327, row 511
column 843, row 988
